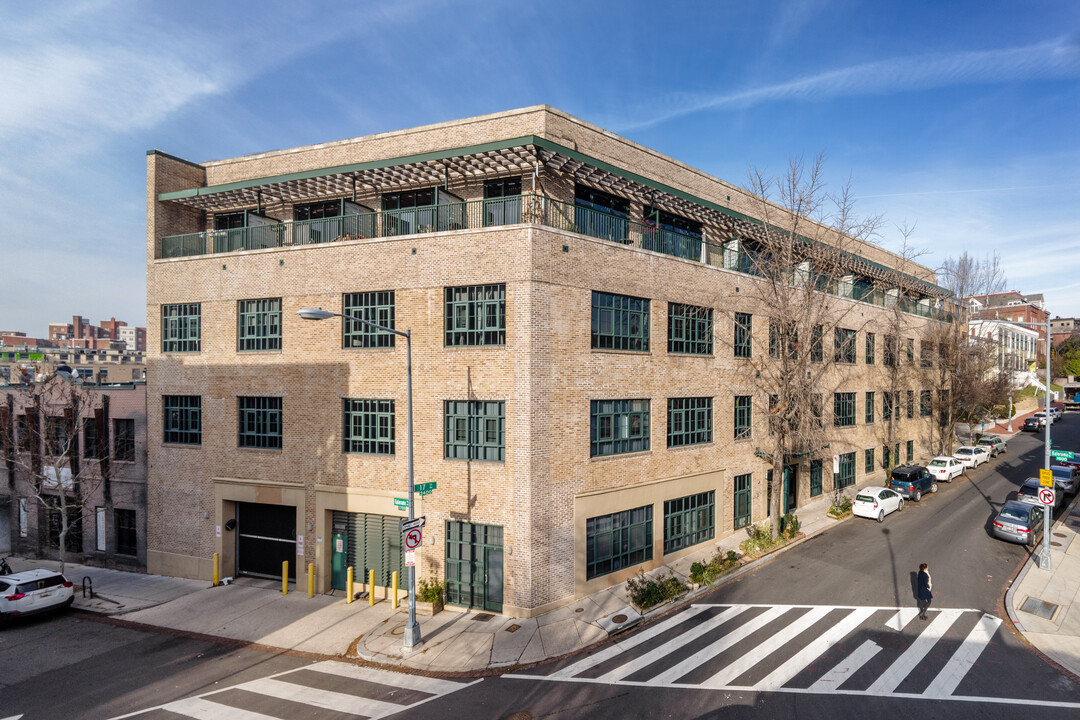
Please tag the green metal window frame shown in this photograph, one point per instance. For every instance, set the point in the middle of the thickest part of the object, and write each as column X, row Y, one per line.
column 776, row 335
column 910, row 350
column 181, row 328
column 910, row 404
column 690, row 329
column 368, row 426
column 910, row 450
column 869, row 416
column 844, row 342
column 844, row 409
column 258, row 324
column 377, row 307
column 617, row 541
column 869, row 348
column 816, row 485
column 690, row 421
column 618, row 426
column 619, row 322
column 885, row 456
column 925, row 404
column 744, row 327
column 886, row 405
column 474, row 430
column 890, row 350
column 689, row 520
column 741, row 500
column 744, row 410
column 466, row 547
column 926, row 353
column 475, row 315
column 817, row 344
column 259, row 422
column 846, row 476
column 90, row 441
column 868, row 461
column 182, row 419
column 124, row 439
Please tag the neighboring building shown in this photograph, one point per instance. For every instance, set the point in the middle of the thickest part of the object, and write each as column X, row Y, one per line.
column 1016, row 345
column 134, row 338
column 112, row 473
column 14, row 338
column 80, row 333
column 21, row 365
column 1013, row 307
column 577, row 428
column 1061, row 329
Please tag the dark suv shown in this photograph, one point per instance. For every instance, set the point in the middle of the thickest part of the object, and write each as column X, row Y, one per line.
column 912, row 481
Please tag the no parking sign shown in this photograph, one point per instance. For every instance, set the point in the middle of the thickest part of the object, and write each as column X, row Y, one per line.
column 1046, row 496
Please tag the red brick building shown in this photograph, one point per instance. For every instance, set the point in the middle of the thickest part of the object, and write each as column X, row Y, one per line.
column 1013, row 307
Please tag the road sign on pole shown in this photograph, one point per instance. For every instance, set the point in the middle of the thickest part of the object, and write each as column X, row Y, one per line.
column 413, row 538
column 1062, row 455
column 1046, row 496
column 401, row 503
column 1046, row 478
column 415, row 523
column 425, row 488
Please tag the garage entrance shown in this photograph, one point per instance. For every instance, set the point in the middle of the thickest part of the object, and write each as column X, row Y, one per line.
column 366, row 542
column 265, row 537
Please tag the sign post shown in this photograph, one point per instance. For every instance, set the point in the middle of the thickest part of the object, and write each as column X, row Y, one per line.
column 1062, row 455
column 1046, row 478
column 1046, row 496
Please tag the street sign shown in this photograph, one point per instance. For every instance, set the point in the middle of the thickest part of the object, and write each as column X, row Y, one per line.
column 410, row 558
column 1046, row 478
column 413, row 539
column 835, row 464
column 1046, row 496
column 401, row 503
column 1062, row 455
column 424, row 488
column 415, row 523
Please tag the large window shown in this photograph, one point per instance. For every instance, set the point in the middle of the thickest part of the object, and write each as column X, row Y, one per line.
column 126, row 533
column 689, row 329
column 259, row 324
column 689, row 421
column 781, row 334
column 741, row 501
column 743, row 334
column 887, row 406
column 844, row 409
column 600, row 215
column 846, row 476
column 910, row 352
column 183, row 419
column 369, row 427
column 502, row 201
column 868, row 461
column 869, row 348
column 670, row 234
column 926, row 353
column 260, row 422
column 743, row 416
column 869, row 417
column 619, row 322
column 476, row 315
column 817, row 344
column 618, row 426
column 56, row 436
column 890, row 351
column 618, row 540
column 689, row 520
column 376, row 307
column 910, row 447
column 124, row 439
column 844, row 345
column 475, row 430
column 910, row 404
column 815, row 478
column 90, row 447
column 924, row 403
column 181, row 328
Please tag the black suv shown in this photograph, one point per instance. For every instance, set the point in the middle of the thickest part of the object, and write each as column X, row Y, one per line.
column 1032, row 424
column 912, row 481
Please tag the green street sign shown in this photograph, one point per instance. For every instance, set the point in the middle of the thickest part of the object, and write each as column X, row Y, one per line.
column 1062, row 454
column 424, row 488
column 401, row 503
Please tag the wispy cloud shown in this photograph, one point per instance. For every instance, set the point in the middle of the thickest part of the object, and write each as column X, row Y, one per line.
column 1058, row 58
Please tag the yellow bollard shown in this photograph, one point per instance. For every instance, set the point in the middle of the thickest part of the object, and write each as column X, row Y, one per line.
column 284, row 577
column 394, row 600
column 348, row 584
column 217, row 569
column 371, row 588
column 311, row 580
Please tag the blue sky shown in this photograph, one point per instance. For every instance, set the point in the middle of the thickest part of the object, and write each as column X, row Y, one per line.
column 958, row 117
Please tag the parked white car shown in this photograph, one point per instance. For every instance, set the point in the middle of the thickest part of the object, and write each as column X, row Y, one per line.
column 945, row 468
column 1041, row 417
column 876, row 503
column 34, row 591
column 971, row 456
column 1055, row 413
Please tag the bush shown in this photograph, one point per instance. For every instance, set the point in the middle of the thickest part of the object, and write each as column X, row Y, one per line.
column 789, row 525
column 429, row 590
column 720, row 564
column 760, row 539
column 841, row 507
column 646, row 592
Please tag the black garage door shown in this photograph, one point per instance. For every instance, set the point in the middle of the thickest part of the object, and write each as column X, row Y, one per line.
column 265, row 537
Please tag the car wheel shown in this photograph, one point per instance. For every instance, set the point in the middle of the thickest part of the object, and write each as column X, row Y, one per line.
column 918, row 496
column 933, row 488
column 900, row 505
column 881, row 516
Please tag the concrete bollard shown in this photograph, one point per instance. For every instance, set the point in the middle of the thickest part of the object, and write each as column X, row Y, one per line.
column 311, row 580
column 371, row 588
column 348, row 584
column 217, row 569
column 284, row 577
column 393, row 595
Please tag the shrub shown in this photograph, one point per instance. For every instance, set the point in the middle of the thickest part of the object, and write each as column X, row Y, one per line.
column 789, row 525
column 720, row 564
column 646, row 592
column 429, row 590
column 841, row 507
column 760, row 539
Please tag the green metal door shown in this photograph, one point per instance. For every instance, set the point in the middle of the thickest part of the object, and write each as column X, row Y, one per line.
column 339, row 559
column 372, row 542
column 474, row 571
column 791, row 486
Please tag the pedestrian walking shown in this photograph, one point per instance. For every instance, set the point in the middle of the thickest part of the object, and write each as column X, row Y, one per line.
column 925, row 592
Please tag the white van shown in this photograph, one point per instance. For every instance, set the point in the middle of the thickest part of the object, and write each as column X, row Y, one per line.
column 34, row 591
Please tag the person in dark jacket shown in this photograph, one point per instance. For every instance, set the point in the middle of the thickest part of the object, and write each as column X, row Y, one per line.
column 925, row 593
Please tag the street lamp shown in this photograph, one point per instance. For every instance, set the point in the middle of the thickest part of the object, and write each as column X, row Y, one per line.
column 411, row 637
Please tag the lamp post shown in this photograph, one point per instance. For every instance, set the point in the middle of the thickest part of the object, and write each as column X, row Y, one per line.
column 411, row 636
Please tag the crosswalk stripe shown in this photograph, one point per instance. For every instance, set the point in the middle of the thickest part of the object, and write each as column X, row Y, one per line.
column 758, row 653
column 902, row 617
column 628, row 669
column 847, row 667
column 633, row 641
column 808, row 654
column 964, row 658
column 203, row 709
column 889, row 680
column 327, row 699
column 720, row 645
column 435, row 686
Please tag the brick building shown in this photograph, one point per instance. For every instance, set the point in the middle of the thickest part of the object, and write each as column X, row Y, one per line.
column 1013, row 307
column 577, row 427
column 81, row 333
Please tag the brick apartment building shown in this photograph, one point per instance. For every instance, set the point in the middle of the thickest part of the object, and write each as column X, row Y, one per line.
column 576, row 429
column 1012, row 307
column 81, row 333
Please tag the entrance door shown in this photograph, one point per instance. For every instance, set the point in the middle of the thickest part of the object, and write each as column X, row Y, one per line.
column 370, row 542
column 791, row 486
column 265, row 537
column 474, row 567
column 493, row 579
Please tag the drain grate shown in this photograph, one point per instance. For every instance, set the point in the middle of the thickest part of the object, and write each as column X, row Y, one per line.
column 513, row 628
column 483, row 617
column 1040, row 608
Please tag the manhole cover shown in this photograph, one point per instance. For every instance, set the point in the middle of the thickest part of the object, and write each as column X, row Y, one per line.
column 483, row 617
column 1055, row 544
column 1038, row 607
column 1059, row 534
column 513, row 628
column 619, row 619
column 398, row 629
column 577, row 610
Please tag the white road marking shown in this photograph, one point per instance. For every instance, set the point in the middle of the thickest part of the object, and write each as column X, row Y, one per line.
column 203, row 709
column 341, row 702
column 889, row 680
column 435, row 686
column 847, row 667
column 902, row 617
column 964, row 658
column 808, row 654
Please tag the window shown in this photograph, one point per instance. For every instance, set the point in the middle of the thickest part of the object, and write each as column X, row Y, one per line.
column 124, row 439
column 926, row 354
column 885, row 459
column 910, row 450
column 408, row 199
column 845, row 345
column 741, row 502
column 260, row 422
column 869, row 407
column 617, row 541
column 181, row 328
column 56, row 436
column 868, row 465
column 815, row 478
column 743, row 412
column 817, row 344
column 22, row 429
column 780, row 334
column 886, row 405
column 475, row 430
column 73, row 541
column 259, row 324
column 475, row 315
column 667, row 233
column 689, row 329
column 90, row 439
column 369, row 427
column 619, row 322
column 601, row 215
column 317, row 210
column 846, row 476
column 869, row 348
column 844, row 409
column 924, row 403
column 502, row 201
column 910, row 350
column 817, row 410
column 689, row 520
column 618, row 426
column 689, row 421
column 743, row 328
column 125, row 533
column 890, row 351
column 910, row 404
column 376, row 307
